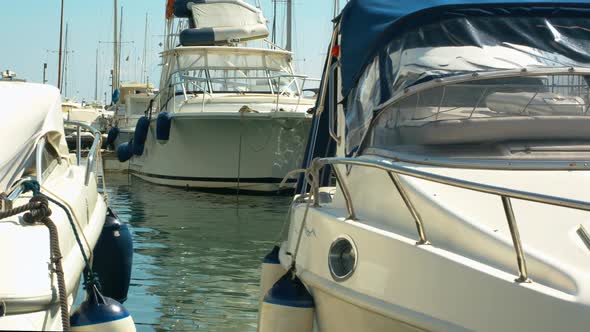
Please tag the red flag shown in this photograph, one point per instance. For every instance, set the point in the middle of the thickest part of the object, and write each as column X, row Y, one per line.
column 170, row 8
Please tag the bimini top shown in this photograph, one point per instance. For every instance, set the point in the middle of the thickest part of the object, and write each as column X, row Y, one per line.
column 368, row 25
column 29, row 112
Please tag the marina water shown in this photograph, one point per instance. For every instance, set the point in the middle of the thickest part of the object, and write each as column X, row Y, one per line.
column 196, row 255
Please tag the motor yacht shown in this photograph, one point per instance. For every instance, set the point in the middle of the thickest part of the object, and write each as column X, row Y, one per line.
column 229, row 116
column 446, row 179
column 133, row 101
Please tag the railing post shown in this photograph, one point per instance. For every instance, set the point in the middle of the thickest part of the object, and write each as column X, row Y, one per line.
column 522, row 270
column 79, row 144
column 345, row 192
column 331, row 107
column 417, row 219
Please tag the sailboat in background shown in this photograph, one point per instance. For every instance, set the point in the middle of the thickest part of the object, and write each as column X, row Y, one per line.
column 91, row 114
column 131, row 99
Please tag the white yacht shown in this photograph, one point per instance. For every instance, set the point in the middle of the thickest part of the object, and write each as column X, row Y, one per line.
column 31, row 288
column 228, row 116
column 458, row 199
column 134, row 100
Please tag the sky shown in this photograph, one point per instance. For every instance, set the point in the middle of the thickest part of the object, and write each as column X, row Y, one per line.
column 29, row 37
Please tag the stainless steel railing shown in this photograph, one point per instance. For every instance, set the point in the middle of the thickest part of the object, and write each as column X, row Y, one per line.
column 394, row 171
column 94, row 148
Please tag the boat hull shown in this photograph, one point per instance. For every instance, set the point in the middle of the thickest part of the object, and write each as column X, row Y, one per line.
column 465, row 281
column 246, row 152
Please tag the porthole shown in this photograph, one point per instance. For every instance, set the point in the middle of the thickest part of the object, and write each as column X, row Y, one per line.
column 342, row 258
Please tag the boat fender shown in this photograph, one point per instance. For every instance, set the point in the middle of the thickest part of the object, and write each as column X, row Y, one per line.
column 140, row 135
column 272, row 271
column 124, row 151
column 287, row 307
column 112, row 136
column 101, row 313
column 113, row 257
column 163, row 124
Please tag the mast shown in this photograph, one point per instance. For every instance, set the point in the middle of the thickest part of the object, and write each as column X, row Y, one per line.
column 65, row 67
column 120, row 50
column 274, row 23
column 289, row 46
column 144, row 64
column 114, row 84
column 336, row 8
column 61, row 26
column 96, row 78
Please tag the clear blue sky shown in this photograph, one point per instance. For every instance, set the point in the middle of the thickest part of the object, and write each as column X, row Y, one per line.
column 29, row 35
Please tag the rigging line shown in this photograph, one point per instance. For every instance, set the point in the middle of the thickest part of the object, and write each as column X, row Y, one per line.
column 75, row 217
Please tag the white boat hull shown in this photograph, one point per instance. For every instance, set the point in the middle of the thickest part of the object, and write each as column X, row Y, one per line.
column 465, row 280
column 31, row 283
column 231, row 151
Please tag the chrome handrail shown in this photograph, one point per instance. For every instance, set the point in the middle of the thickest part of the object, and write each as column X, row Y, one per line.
column 331, row 107
column 94, row 148
column 395, row 170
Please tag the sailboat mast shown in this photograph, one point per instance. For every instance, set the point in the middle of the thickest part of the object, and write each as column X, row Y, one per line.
column 65, row 67
column 61, row 26
column 120, row 49
column 336, row 7
column 114, row 84
column 96, row 78
column 274, row 23
column 144, row 64
column 289, row 46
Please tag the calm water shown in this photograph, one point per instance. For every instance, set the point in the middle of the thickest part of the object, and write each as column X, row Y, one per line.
column 197, row 255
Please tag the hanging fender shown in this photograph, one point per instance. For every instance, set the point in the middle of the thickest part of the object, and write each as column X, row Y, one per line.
column 140, row 135
column 163, row 124
column 125, row 151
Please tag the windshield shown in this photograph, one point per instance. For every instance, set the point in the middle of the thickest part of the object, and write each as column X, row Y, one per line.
column 548, row 107
column 237, row 81
column 464, row 45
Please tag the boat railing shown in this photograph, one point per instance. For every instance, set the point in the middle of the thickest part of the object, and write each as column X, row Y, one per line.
column 394, row 172
column 93, row 152
column 282, row 91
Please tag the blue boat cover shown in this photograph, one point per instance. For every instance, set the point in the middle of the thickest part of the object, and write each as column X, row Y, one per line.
column 367, row 25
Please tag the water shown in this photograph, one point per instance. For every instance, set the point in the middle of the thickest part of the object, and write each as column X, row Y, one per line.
column 196, row 255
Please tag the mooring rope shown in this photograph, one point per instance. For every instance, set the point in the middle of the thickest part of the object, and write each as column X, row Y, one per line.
column 38, row 211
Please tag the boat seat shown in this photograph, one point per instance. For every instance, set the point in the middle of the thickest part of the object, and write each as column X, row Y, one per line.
column 493, row 129
column 219, row 22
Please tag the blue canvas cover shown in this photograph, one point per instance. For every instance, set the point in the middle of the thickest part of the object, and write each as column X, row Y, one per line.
column 367, row 25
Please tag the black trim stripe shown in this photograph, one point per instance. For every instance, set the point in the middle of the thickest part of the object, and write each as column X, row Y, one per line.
column 203, row 179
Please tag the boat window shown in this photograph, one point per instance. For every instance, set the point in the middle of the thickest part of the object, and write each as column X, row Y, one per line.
column 50, row 159
column 463, row 45
column 486, row 111
column 234, row 81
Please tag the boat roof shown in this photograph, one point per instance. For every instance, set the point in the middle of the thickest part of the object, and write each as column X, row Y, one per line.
column 180, row 50
column 367, row 25
column 29, row 112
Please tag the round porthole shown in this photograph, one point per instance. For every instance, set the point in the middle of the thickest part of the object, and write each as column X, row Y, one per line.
column 342, row 258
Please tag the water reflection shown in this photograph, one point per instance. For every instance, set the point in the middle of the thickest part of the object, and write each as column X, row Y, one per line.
column 197, row 255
